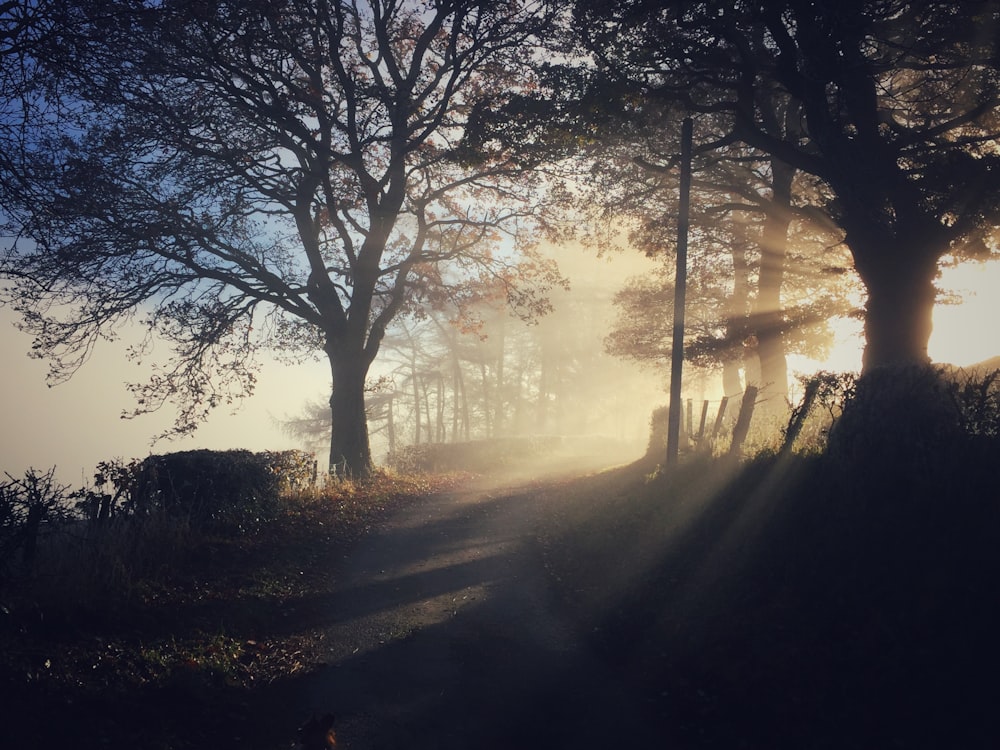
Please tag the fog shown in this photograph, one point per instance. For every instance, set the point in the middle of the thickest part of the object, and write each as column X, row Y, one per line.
column 508, row 373
column 553, row 378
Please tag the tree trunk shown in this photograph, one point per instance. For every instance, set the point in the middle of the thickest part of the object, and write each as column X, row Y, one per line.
column 769, row 317
column 462, row 402
column 900, row 307
column 731, row 383
column 500, row 419
column 427, row 407
column 390, row 425
column 487, row 403
column 416, row 407
column 542, row 404
column 439, row 435
column 350, row 452
column 737, row 313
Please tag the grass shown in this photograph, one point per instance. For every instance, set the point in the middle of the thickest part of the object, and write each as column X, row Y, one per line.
column 160, row 636
column 843, row 599
column 781, row 604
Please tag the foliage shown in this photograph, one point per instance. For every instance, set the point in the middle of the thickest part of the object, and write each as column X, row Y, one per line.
column 810, row 420
column 978, row 399
column 29, row 506
column 923, row 415
column 279, row 175
column 216, row 488
column 893, row 112
column 657, row 445
column 930, row 411
column 294, row 470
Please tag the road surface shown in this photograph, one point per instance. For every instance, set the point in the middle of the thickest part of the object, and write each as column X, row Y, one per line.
column 443, row 634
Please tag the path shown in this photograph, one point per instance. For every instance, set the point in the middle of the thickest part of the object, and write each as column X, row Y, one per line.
column 444, row 635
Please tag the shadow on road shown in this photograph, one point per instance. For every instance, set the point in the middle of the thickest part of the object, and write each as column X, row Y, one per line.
column 443, row 634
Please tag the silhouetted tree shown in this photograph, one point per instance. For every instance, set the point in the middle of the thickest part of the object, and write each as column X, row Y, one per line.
column 753, row 295
column 899, row 119
column 276, row 173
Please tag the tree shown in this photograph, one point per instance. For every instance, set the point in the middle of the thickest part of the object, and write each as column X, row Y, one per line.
column 273, row 173
column 899, row 117
column 754, row 231
column 725, row 291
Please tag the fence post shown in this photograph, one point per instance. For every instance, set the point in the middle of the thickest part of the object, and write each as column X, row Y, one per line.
column 720, row 417
column 799, row 414
column 743, row 420
column 701, row 424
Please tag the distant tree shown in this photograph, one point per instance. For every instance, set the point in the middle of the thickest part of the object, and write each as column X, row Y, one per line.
column 898, row 104
column 27, row 505
column 273, row 173
column 754, row 232
column 723, row 330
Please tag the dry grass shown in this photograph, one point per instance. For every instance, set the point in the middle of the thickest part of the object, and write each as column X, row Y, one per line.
column 112, row 629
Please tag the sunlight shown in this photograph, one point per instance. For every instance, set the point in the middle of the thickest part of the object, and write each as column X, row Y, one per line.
column 965, row 333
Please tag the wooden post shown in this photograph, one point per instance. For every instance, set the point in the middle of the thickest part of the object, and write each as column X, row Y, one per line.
column 680, row 292
column 743, row 420
column 798, row 418
column 701, row 424
column 717, row 428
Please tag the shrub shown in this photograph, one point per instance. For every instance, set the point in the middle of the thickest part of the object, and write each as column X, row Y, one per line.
column 214, row 489
column 657, row 445
column 916, row 432
column 295, row 470
column 978, row 399
column 28, row 506
column 824, row 396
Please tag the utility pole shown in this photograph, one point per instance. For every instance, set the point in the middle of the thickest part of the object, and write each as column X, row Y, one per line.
column 680, row 294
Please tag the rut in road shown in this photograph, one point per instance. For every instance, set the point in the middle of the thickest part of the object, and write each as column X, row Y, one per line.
column 445, row 635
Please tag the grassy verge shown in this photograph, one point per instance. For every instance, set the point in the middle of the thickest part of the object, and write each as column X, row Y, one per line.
column 164, row 637
column 791, row 603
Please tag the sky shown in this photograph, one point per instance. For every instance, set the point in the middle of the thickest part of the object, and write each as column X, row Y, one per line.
column 964, row 334
column 76, row 424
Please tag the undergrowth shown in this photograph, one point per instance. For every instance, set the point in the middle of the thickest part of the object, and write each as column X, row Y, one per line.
column 831, row 598
column 155, row 632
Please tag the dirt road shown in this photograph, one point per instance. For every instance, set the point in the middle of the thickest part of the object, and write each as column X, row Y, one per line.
column 444, row 635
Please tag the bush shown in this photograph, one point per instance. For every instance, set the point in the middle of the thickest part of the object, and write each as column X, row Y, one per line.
column 29, row 506
column 214, row 489
column 295, row 470
column 657, row 446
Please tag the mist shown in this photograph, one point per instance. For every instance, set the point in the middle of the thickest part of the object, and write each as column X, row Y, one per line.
column 590, row 399
column 492, row 371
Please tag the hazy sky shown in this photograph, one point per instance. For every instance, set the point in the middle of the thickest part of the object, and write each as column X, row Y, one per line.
column 77, row 424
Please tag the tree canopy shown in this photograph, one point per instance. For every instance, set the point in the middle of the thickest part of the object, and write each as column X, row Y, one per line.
column 298, row 174
column 269, row 173
column 898, row 106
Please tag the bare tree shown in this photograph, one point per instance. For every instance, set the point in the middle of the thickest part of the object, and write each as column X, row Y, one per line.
column 272, row 173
